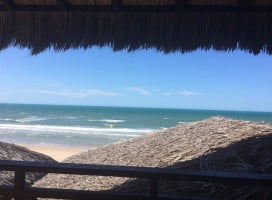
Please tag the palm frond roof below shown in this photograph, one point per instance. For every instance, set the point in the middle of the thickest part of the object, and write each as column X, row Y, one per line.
column 167, row 25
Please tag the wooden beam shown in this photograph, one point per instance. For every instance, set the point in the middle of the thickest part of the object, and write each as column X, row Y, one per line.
column 35, row 192
column 256, row 179
column 153, row 174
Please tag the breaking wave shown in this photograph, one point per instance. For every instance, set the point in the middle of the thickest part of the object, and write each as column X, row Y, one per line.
column 107, row 120
column 76, row 130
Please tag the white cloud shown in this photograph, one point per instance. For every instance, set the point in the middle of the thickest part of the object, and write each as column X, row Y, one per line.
column 143, row 91
column 53, row 84
column 183, row 92
column 75, row 93
column 167, row 93
column 96, row 92
column 188, row 93
column 140, row 90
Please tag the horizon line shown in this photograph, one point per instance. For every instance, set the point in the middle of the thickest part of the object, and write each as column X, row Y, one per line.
column 140, row 107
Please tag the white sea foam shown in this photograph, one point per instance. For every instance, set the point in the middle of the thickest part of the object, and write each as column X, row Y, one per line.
column 107, row 120
column 70, row 117
column 30, row 119
column 109, row 125
column 76, row 130
column 7, row 119
column 25, row 120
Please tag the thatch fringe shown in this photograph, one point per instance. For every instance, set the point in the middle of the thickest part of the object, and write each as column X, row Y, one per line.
column 166, row 32
column 145, row 2
column 13, row 152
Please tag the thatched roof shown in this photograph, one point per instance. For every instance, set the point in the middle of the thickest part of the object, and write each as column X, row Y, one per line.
column 213, row 144
column 167, row 25
column 14, row 152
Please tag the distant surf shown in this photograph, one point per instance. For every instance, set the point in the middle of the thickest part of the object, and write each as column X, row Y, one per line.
column 74, row 129
column 107, row 120
column 91, row 126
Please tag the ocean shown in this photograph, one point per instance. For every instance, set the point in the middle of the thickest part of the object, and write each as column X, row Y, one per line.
column 89, row 126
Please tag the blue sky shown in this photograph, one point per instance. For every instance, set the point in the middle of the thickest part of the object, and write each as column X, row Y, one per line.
column 144, row 78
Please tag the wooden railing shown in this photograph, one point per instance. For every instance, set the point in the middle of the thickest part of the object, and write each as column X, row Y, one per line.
column 20, row 191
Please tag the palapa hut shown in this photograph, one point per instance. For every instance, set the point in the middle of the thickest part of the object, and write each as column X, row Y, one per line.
column 167, row 25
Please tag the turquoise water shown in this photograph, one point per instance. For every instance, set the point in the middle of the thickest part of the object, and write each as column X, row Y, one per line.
column 88, row 126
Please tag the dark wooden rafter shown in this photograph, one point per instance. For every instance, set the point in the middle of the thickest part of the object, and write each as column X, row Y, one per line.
column 63, row 4
column 8, row 4
column 116, row 5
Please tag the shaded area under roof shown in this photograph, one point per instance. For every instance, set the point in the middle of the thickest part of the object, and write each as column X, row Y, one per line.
column 166, row 25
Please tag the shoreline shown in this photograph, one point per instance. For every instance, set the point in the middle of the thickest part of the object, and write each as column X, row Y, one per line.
column 57, row 152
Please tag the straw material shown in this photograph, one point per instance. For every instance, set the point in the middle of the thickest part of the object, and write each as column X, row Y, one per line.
column 213, row 144
column 165, row 31
column 34, row 2
column 14, row 152
column 149, row 2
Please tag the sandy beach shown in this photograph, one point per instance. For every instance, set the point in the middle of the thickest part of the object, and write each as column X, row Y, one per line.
column 58, row 153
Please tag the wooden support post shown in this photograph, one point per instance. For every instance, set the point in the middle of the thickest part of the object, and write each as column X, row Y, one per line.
column 19, row 184
column 153, row 188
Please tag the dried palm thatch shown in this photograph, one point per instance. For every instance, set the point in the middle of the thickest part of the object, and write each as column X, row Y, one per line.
column 14, row 152
column 85, row 23
column 213, row 144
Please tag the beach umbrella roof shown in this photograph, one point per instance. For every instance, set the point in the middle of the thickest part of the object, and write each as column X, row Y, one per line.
column 166, row 25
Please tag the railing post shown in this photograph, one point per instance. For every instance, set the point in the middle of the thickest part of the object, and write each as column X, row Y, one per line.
column 153, row 188
column 19, row 184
